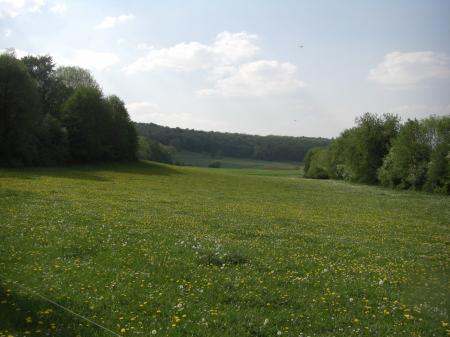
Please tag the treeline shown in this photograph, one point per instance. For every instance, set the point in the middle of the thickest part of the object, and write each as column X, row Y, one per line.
column 236, row 145
column 381, row 150
column 52, row 116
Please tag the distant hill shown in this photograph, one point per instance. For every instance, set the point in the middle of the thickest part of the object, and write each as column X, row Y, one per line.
column 275, row 148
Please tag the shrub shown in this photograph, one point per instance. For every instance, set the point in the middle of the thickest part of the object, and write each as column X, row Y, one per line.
column 215, row 164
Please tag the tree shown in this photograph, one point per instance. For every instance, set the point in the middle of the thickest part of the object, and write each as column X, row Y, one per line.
column 317, row 163
column 53, row 142
column 52, row 90
column 76, row 77
column 122, row 134
column 438, row 135
column 406, row 164
column 358, row 152
column 87, row 118
column 20, row 113
column 150, row 149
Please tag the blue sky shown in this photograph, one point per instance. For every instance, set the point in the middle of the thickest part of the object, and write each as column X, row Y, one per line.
column 238, row 66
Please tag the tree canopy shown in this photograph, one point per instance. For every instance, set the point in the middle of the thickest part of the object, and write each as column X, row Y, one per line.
column 232, row 144
column 53, row 116
column 379, row 149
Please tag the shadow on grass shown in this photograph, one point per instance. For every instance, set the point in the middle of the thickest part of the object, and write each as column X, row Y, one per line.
column 26, row 314
column 91, row 172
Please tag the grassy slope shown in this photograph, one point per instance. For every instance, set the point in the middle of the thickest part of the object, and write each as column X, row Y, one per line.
column 139, row 247
column 202, row 159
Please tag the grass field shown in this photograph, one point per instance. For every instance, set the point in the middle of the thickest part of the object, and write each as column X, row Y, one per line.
column 154, row 250
column 203, row 160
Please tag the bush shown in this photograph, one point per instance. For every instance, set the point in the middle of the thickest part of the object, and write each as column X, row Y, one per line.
column 418, row 156
column 149, row 149
column 215, row 164
column 317, row 164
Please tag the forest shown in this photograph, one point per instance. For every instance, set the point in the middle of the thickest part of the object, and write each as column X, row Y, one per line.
column 382, row 150
column 59, row 115
column 217, row 144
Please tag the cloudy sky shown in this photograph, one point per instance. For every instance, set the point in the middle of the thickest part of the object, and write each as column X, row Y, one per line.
column 254, row 66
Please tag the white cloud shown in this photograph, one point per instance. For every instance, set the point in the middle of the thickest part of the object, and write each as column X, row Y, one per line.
column 227, row 63
column 147, row 112
column 421, row 110
column 7, row 32
column 112, row 21
column 145, row 46
column 227, row 48
column 59, row 8
column 258, row 78
column 13, row 8
column 120, row 41
column 234, row 47
column 18, row 52
column 91, row 59
column 409, row 69
column 142, row 111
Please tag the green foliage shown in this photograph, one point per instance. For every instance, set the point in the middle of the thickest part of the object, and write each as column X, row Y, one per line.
column 361, row 149
column 273, row 148
column 317, row 164
column 378, row 149
column 438, row 174
column 149, row 149
column 76, row 77
column 53, row 142
column 87, row 119
column 121, row 133
column 215, row 164
column 20, row 113
column 242, row 253
column 419, row 156
column 51, row 117
column 406, row 164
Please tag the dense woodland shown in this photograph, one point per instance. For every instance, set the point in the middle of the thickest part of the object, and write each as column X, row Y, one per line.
column 236, row 145
column 381, row 150
column 52, row 116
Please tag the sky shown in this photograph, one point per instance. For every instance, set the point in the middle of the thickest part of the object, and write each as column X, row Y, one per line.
column 298, row 68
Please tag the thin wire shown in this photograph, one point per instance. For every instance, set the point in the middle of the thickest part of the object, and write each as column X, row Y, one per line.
column 60, row 306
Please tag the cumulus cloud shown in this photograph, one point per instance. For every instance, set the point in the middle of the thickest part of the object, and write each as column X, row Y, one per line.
column 410, row 69
column 59, row 8
column 142, row 111
column 19, row 53
column 91, row 59
column 227, row 48
column 230, row 65
column 258, row 78
column 13, row 8
column 112, row 21
column 147, row 112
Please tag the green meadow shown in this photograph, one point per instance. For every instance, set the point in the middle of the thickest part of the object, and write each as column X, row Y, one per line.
column 148, row 249
column 204, row 160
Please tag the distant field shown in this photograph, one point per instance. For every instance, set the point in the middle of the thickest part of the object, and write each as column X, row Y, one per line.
column 156, row 250
column 203, row 160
